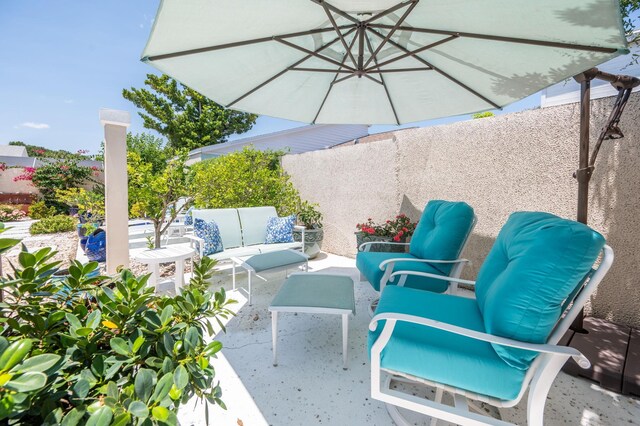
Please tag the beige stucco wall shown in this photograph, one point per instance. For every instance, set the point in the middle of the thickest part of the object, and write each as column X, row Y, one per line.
column 519, row 161
column 9, row 186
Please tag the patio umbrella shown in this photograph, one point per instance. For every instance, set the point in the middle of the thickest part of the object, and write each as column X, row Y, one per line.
column 379, row 61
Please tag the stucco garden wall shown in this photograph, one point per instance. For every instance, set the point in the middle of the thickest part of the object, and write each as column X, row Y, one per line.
column 519, row 161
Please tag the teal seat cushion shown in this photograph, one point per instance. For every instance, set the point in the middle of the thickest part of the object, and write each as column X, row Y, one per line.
column 442, row 230
column 441, row 356
column 369, row 265
column 275, row 259
column 537, row 261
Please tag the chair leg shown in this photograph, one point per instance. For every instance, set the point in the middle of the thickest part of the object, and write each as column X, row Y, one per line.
column 233, row 274
column 249, row 280
column 345, row 341
column 540, row 386
column 274, row 336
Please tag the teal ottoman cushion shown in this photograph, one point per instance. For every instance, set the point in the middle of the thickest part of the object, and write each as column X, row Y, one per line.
column 440, row 356
column 441, row 231
column 368, row 263
column 537, row 261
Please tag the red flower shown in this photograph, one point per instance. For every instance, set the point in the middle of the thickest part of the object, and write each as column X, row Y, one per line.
column 400, row 234
column 396, row 238
column 405, row 229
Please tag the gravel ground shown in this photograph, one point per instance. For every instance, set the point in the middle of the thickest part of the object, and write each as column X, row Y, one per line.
column 65, row 243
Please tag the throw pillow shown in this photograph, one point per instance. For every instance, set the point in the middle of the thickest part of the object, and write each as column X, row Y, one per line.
column 210, row 233
column 280, row 229
column 188, row 217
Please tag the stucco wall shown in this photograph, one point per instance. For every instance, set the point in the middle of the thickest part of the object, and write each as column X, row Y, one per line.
column 519, row 161
column 9, row 186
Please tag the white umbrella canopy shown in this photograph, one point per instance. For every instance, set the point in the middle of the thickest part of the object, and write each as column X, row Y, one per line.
column 379, row 61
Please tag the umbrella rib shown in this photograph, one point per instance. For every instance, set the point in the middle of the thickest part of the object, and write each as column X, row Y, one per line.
column 386, row 89
column 320, row 70
column 269, row 80
column 390, row 10
column 504, row 39
column 344, row 58
column 406, row 13
column 312, row 53
column 439, row 71
column 238, row 44
column 416, row 51
column 325, row 6
column 336, row 10
column 398, row 70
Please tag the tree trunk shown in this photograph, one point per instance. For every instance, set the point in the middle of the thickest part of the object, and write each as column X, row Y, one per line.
column 158, row 234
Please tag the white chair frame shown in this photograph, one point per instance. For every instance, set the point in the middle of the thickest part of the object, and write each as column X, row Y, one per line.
column 539, row 377
column 388, row 265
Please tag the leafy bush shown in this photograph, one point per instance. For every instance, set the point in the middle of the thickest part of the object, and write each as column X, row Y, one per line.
column 483, row 115
column 247, row 178
column 309, row 215
column 102, row 350
column 10, row 213
column 39, row 210
column 50, row 225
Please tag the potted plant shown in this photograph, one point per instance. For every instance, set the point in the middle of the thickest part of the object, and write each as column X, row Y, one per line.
column 396, row 230
column 309, row 217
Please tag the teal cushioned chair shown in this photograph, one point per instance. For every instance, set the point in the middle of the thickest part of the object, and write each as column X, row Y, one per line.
column 492, row 347
column 438, row 240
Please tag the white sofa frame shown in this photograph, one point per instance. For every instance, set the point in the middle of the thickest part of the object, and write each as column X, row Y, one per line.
column 539, row 377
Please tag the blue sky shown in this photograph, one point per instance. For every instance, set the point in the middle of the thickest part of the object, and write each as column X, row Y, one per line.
column 63, row 60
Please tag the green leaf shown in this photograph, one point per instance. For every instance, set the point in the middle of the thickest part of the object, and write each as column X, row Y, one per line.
column 97, row 365
column 139, row 409
column 122, row 420
column 27, row 382
column 160, row 413
column 167, row 342
column 191, row 339
column 81, row 388
column 83, row 331
column 26, row 259
column 73, row 321
column 93, row 320
column 4, row 344
column 167, row 314
column 162, row 387
column 73, row 417
column 213, row 348
column 181, row 377
column 137, row 343
column 101, row 417
column 37, row 363
column 120, row 346
column 15, row 353
column 143, row 384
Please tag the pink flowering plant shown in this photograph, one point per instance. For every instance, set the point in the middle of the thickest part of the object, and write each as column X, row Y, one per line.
column 9, row 213
column 399, row 229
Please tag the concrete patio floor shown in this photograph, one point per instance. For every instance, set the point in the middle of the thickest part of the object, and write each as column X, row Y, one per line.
column 309, row 385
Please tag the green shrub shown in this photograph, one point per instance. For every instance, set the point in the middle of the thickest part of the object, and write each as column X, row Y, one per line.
column 247, row 178
column 102, row 350
column 39, row 210
column 485, row 114
column 50, row 225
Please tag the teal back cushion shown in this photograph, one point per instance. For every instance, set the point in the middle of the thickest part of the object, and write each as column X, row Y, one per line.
column 536, row 262
column 442, row 230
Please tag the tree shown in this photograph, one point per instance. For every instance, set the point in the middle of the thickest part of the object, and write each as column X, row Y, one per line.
column 631, row 19
column 187, row 119
column 247, row 178
column 154, row 194
column 151, row 150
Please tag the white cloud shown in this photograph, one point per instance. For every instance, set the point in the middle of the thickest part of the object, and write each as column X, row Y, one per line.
column 68, row 101
column 32, row 125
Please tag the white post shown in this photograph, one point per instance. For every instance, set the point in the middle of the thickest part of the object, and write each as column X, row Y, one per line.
column 116, row 195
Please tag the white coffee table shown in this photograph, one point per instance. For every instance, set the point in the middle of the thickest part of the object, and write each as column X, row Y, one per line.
column 154, row 257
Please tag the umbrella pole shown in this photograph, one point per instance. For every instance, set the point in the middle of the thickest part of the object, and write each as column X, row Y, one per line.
column 624, row 84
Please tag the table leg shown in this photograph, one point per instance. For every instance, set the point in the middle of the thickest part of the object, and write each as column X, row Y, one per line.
column 249, row 279
column 154, row 268
column 345, row 340
column 274, row 336
column 179, row 281
column 233, row 274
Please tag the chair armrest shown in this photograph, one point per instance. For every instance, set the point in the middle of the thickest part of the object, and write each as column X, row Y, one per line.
column 435, row 276
column 390, row 243
column 299, row 227
column 384, row 263
column 392, row 317
column 197, row 240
